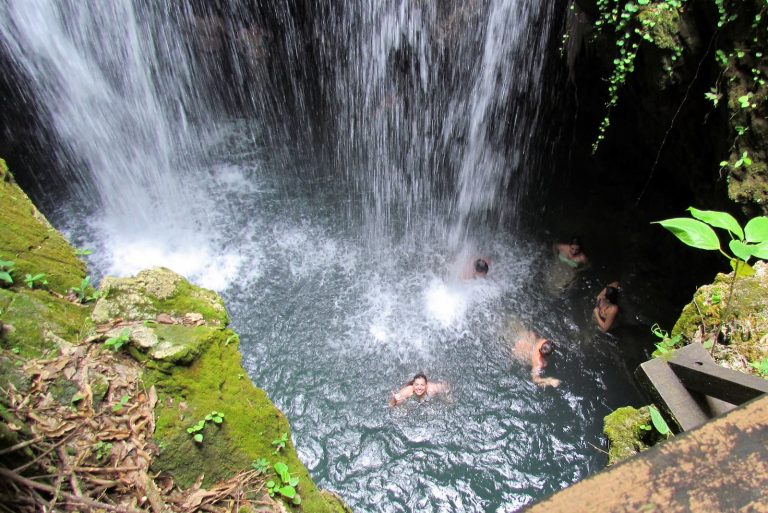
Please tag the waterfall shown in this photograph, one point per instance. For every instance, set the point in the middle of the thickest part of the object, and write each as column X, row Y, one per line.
column 438, row 109
column 425, row 112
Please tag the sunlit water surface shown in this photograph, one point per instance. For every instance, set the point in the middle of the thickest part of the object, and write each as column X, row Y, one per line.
column 331, row 324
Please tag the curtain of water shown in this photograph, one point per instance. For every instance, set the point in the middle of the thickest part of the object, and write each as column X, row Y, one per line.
column 96, row 68
column 432, row 134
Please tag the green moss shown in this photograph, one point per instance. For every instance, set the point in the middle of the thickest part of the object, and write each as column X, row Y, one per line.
column 156, row 291
column 27, row 239
column 251, row 421
column 625, row 436
column 38, row 318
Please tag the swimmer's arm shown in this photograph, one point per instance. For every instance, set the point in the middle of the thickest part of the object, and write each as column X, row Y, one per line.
column 400, row 397
column 610, row 317
column 536, row 376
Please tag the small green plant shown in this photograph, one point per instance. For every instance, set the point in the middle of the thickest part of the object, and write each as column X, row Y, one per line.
column 285, row 486
column 83, row 252
column 6, row 268
column 761, row 367
column 121, row 404
column 115, row 343
column 666, row 343
column 261, row 465
column 35, row 280
column 197, row 430
column 82, row 292
column 658, row 422
column 279, row 443
column 102, row 449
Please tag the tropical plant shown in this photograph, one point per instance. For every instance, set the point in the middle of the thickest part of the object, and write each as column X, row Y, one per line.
column 666, row 343
column 197, row 429
column 36, row 279
column 82, row 292
column 6, row 268
column 285, row 486
column 279, row 443
column 115, row 343
column 744, row 244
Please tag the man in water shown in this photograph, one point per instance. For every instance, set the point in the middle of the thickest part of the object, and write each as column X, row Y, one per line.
column 530, row 347
column 571, row 254
column 477, row 268
column 419, row 388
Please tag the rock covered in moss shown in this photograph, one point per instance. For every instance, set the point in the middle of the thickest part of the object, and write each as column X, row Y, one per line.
column 739, row 332
column 193, row 361
column 29, row 241
column 153, row 292
column 626, row 437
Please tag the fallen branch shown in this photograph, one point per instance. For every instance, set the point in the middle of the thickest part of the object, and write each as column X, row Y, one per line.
column 20, row 445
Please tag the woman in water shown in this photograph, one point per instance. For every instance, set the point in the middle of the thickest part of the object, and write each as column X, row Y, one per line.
column 571, row 254
column 607, row 307
column 419, row 388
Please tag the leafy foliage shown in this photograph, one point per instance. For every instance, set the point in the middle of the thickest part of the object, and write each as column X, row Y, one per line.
column 761, row 367
column 197, row 429
column 658, row 422
column 121, row 404
column 666, row 344
column 261, row 465
column 115, row 343
column 6, row 268
column 85, row 293
column 286, row 484
column 36, row 279
column 279, row 443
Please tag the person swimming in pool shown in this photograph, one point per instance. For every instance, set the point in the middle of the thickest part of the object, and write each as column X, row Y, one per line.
column 571, row 254
column 534, row 349
column 607, row 307
column 419, row 388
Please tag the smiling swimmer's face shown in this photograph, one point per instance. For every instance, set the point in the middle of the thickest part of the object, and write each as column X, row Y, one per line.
column 419, row 387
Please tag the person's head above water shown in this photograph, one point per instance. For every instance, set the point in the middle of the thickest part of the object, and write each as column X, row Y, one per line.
column 547, row 348
column 575, row 246
column 481, row 267
column 419, row 384
column 612, row 294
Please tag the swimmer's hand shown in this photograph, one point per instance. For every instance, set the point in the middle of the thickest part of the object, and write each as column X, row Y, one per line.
column 392, row 400
column 545, row 382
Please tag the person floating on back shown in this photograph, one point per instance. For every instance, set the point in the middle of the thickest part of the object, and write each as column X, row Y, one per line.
column 477, row 268
column 534, row 349
column 607, row 307
column 419, row 388
column 571, row 254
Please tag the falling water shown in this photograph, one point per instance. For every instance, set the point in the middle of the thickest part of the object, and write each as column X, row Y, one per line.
column 328, row 166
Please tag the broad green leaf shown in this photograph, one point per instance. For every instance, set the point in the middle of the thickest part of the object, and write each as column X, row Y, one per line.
column 744, row 269
column 6, row 264
column 692, row 232
column 270, row 484
column 4, row 276
column 760, row 250
column 658, row 421
column 198, row 438
column 757, row 229
column 740, row 249
column 296, row 500
column 718, row 219
column 288, row 491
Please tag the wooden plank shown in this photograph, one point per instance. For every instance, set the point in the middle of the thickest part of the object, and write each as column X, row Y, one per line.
column 697, row 371
column 668, row 392
column 720, row 467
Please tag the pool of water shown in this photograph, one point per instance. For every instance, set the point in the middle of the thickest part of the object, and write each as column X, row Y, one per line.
column 332, row 322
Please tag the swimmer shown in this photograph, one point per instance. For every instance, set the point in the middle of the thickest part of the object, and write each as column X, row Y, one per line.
column 419, row 388
column 477, row 268
column 571, row 254
column 607, row 307
column 530, row 347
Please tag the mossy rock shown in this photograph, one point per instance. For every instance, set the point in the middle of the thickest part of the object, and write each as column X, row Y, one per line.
column 31, row 243
column 744, row 337
column 626, row 437
column 216, row 381
column 38, row 320
column 156, row 291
